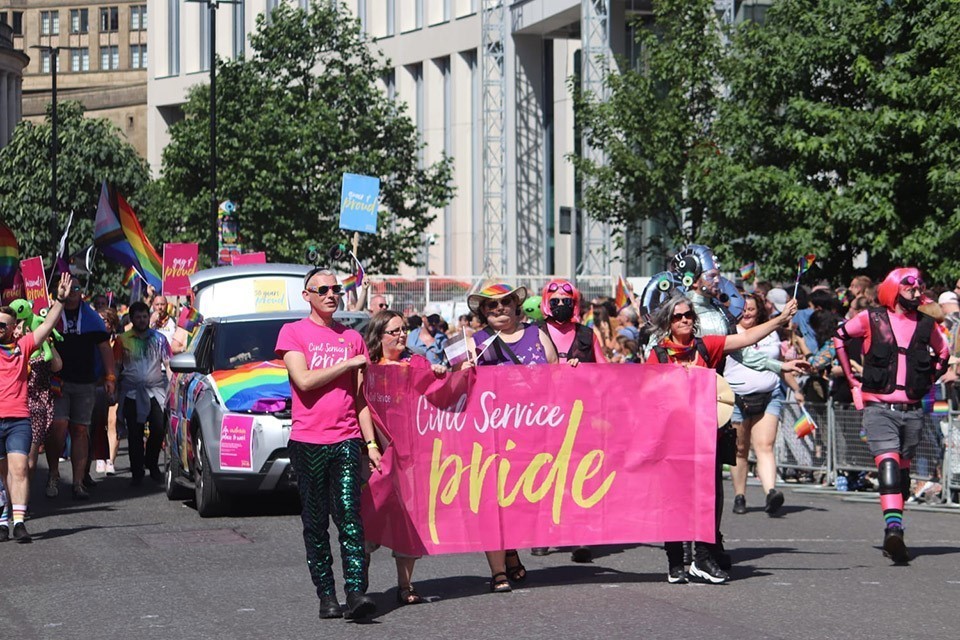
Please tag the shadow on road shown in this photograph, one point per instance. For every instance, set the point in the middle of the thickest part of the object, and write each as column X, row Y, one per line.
column 51, row 534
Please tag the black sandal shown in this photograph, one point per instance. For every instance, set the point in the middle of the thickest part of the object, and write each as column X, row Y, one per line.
column 517, row 572
column 500, row 586
column 408, row 595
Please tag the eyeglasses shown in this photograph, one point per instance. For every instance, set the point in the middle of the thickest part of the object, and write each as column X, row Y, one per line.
column 323, row 289
column 396, row 332
column 383, row 305
column 490, row 305
column 553, row 286
column 913, row 281
column 688, row 314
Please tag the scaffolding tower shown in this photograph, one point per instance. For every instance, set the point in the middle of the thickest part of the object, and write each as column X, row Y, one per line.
column 597, row 257
column 493, row 21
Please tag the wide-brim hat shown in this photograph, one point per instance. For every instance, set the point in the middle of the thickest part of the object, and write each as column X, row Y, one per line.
column 495, row 292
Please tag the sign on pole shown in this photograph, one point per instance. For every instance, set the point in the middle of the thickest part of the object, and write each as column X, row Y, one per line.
column 35, row 283
column 359, row 199
column 179, row 263
column 258, row 257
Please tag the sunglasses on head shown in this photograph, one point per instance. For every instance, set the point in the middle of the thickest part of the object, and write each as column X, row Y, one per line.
column 396, row 332
column 913, row 281
column 688, row 314
column 323, row 289
column 499, row 302
column 553, row 286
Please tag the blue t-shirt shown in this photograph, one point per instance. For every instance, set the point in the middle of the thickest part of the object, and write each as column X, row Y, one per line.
column 433, row 353
column 802, row 320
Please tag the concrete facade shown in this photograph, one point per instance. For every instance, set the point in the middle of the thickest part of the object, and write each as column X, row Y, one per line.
column 12, row 63
column 101, row 63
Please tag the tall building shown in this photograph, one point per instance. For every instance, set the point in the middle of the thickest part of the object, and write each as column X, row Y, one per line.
column 12, row 63
column 488, row 83
column 101, row 59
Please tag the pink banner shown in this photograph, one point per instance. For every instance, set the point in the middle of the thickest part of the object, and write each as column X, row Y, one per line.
column 258, row 257
column 236, row 442
column 179, row 263
column 35, row 283
column 517, row 457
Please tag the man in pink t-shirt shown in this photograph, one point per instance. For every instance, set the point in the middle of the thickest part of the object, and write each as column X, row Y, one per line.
column 331, row 424
column 904, row 354
column 15, row 434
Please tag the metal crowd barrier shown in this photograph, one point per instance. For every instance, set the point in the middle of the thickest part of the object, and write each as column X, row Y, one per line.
column 838, row 445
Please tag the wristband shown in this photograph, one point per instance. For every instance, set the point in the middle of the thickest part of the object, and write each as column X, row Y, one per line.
column 373, row 445
column 110, row 377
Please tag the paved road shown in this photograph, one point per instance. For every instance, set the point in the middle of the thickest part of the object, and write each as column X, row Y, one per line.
column 131, row 564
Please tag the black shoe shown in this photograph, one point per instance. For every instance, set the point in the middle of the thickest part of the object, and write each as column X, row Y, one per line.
column 359, row 605
column 136, row 481
column 774, row 501
column 677, row 575
column 20, row 533
column 740, row 504
column 581, row 554
column 89, row 482
column 80, row 492
column 4, row 532
column 707, row 570
column 156, row 475
column 687, row 553
column 894, row 546
column 330, row 608
column 539, row 551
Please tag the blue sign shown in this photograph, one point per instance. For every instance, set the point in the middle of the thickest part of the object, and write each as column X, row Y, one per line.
column 359, row 199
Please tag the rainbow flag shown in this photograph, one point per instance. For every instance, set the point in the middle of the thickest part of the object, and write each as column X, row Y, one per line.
column 805, row 262
column 804, row 425
column 587, row 319
column 350, row 283
column 748, row 271
column 622, row 294
column 189, row 319
column 936, row 408
column 128, row 276
column 9, row 254
column 240, row 388
column 117, row 233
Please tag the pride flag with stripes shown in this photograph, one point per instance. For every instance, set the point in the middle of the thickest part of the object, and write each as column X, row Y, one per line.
column 189, row 319
column 934, row 407
column 622, row 294
column 805, row 262
column 117, row 233
column 748, row 271
column 242, row 387
column 587, row 319
column 804, row 425
column 350, row 283
column 9, row 254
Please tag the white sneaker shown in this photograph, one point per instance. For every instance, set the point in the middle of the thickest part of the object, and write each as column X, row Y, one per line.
column 100, row 466
column 109, row 466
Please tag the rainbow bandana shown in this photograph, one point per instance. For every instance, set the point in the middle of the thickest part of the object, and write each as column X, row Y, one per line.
column 242, row 387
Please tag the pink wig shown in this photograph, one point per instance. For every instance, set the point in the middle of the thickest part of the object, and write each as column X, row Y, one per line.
column 888, row 289
column 546, row 294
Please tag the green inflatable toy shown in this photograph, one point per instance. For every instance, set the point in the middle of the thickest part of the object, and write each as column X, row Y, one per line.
column 531, row 308
column 24, row 312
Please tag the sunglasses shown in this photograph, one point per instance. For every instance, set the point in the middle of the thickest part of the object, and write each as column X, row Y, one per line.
column 4, row 325
column 323, row 289
column 689, row 315
column 396, row 332
column 553, row 286
column 913, row 281
column 490, row 305
column 383, row 305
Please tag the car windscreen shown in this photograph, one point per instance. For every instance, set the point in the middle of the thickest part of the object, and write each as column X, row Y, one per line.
column 240, row 343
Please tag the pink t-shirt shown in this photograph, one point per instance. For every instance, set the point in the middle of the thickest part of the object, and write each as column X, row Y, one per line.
column 326, row 415
column 14, row 361
column 903, row 326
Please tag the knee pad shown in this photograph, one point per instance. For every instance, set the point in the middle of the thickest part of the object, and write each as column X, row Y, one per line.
column 889, row 476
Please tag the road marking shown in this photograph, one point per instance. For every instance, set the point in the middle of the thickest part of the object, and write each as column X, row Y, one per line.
column 609, row 586
column 783, row 584
column 869, row 583
column 245, row 610
column 953, row 581
column 53, row 624
column 148, row 617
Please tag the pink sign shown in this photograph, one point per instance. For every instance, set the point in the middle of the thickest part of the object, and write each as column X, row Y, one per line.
column 179, row 263
column 35, row 283
column 517, row 457
column 258, row 257
column 236, row 442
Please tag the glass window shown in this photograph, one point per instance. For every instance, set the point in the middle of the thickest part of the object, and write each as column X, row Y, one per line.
column 17, row 23
column 138, row 17
column 109, row 19
column 44, row 23
column 54, row 23
column 173, row 37
column 110, row 58
column 80, row 59
column 138, row 56
column 79, row 21
column 44, row 61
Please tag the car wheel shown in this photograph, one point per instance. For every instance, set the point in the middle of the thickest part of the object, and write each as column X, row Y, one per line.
column 175, row 491
column 210, row 502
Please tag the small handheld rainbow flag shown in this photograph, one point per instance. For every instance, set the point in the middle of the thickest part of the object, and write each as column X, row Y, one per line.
column 805, row 262
column 587, row 319
column 9, row 254
column 189, row 319
column 622, row 294
column 349, row 283
column 804, row 425
column 129, row 275
column 936, row 408
column 748, row 271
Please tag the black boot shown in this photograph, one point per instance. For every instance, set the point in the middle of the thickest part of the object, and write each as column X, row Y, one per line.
column 893, row 545
column 359, row 605
column 330, row 608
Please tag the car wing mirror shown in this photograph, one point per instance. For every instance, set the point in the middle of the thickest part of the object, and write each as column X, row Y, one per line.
column 183, row 363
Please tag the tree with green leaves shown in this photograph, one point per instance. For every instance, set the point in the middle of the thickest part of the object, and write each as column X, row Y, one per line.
column 841, row 135
column 305, row 108
column 90, row 150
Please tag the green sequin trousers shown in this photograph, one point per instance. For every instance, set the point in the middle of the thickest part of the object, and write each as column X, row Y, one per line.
column 328, row 477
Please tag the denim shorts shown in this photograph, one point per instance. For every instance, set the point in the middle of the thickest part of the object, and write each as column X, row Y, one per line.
column 773, row 407
column 15, row 436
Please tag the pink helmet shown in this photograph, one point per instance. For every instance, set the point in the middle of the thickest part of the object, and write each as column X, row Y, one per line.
column 551, row 289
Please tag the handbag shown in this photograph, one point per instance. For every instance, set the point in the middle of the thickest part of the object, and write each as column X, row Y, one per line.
column 753, row 404
column 727, row 444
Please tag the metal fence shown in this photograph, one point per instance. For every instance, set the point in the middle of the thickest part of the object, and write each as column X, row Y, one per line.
column 449, row 293
column 839, row 446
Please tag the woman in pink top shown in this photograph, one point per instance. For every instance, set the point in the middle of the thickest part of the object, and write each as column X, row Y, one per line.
column 903, row 355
